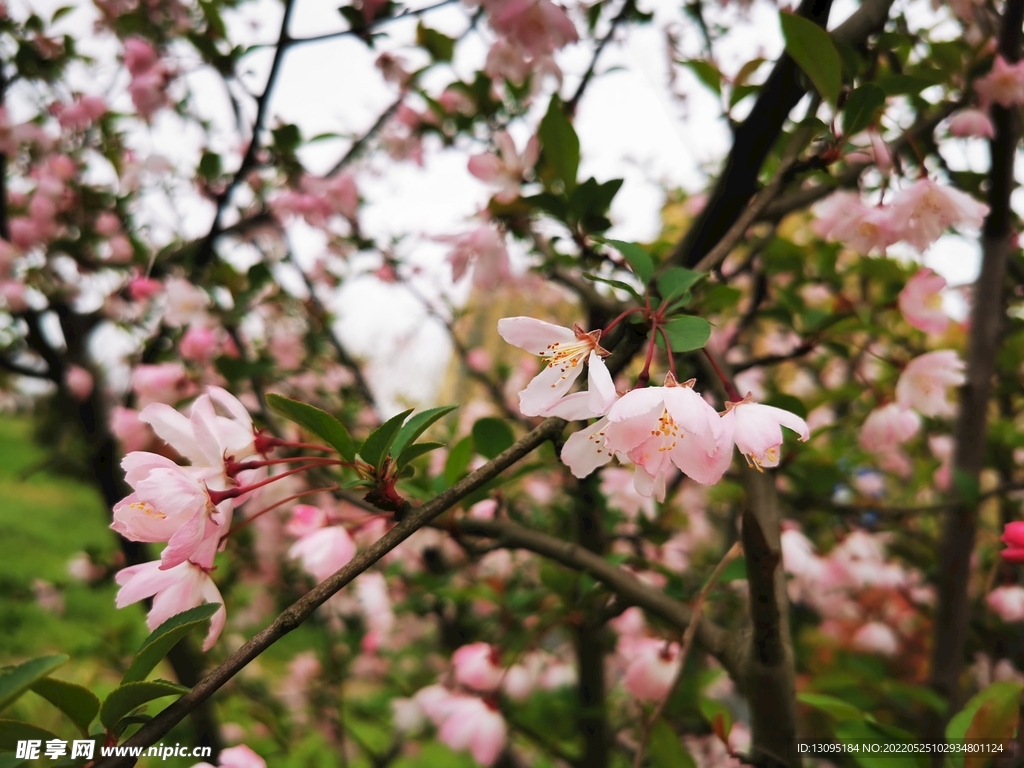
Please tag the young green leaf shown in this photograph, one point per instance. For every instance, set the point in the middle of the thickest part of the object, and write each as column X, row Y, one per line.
column 375, row 447
column 492, row 436
column 687, row 333
column 414, row 451
column 78, row 703
column 830, row 705
column 675, row 282
column 14, row 681
column 458, row 460
column 320, row 423
column 859, row 110
column 666, row 750
column 561, row 146
column 417, row 425
column 615, row 284
column 638, row 259
column 13, row 731
column 127, row 697
column 812, row 49
column 165, row 637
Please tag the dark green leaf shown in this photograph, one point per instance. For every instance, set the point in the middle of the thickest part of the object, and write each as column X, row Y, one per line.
column 734, row 571
column 123, row 700
column 413, row 452
column 13, row 731
column 984, row 704
column 561, row 146
column 417, row 425
column 78, row 703
column 675, row 282
column 707, row 73
column 638, row 259
column 687, row 333
column 210, row 166
column 165, row 637
column 811, row 48
column 830, row 705
column 859, row 110
column 441, row 47
column 375, row 447
column 14, row 681
column 458, row 460
column 320, row 423
column 665, row 748
column 492, row 436
column 614, row 284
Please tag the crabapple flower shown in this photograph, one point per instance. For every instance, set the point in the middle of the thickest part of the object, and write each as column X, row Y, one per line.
column 971, row 122
column 876, row 637
column 79, row 382
column 537, row 26
column 506, row 168
column 563, row 351
column 324, row 551
column 653, row 669
column 1007, row 603
column 236, row 757
column 477, row 666
column 923, row 383
column 887, row 427
column 942, row 447
column 656, row 427
column 757, row 432
column 1013, row 538
column 485, row 249
column 920, row 302
column 173, row 590
column 1004, row 84
column 922, row 212
column 844, row 218
column 476, row 725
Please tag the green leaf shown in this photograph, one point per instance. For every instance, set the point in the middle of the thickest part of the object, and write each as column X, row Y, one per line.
column 413, row 452
column 78, row 703
column 665, row 748
column 687, row 333
column 859, row 731
column 859, row 110
column 165, row 637
column 812, row 49
column 677, row 281
column 492, row 436
column 441, row 47
column 638, row 259
column 615, row 284
column 718, row 715
column 561, row 146
column 830, row 705
column 13, row 731
column 375, row 447
column 734, row 571
column 125, row 699
column 417, row 425
column 707, row 73
column 458, row 460
column 7, row 760
column 985, row 715
column 967, row 487
column 320, row 423
column 14, row 681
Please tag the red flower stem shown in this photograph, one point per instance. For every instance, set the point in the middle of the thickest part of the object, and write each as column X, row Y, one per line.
column 620, row 318
column 233, row 467
column 306, row 446
column 645, row 374
column 241, row 525
column 730, row 388
column 668, row 350
column 233, row 493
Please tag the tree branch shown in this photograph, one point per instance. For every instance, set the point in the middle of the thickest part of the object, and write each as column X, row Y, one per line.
column 986, row 328
column 304, row 607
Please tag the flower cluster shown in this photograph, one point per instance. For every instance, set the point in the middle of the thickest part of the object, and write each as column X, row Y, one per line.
column 655, row 428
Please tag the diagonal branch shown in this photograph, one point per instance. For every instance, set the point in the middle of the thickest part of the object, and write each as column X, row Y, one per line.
column 304, row 607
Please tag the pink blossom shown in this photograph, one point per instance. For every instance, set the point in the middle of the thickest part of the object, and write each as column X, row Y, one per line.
column 506, row 168
column 653, row 669
column 1007, row 603
column 324, row 551
column 160, row 383
column 844, row 218
column 173, row 590
column 923, row 211
column 477, row 666
column 920, row 301
column 81, row 114
column 475, row 725
column 372, row 593
column 199, row 344
column 887, row 427
column 132, row 432
column 876, row 637
column 1013, row 538
column 305, row 519
column 563, row 351
column 13, row 294
column 537, row 26
column 971, row 122
column 240, row 757
column 142, row 288
column 507, row 62
column 617, row 486
column 186, row 304
column 923, row 383
column 148, row 92
column 79, row 382
column 107, row 224
column 757, row 432
column 485, row 249
column 121, row 249
column 1004, row 84
column 942, row 447
column 139, row 55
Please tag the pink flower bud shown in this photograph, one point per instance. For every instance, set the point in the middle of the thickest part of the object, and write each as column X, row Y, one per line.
column 78, row 382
